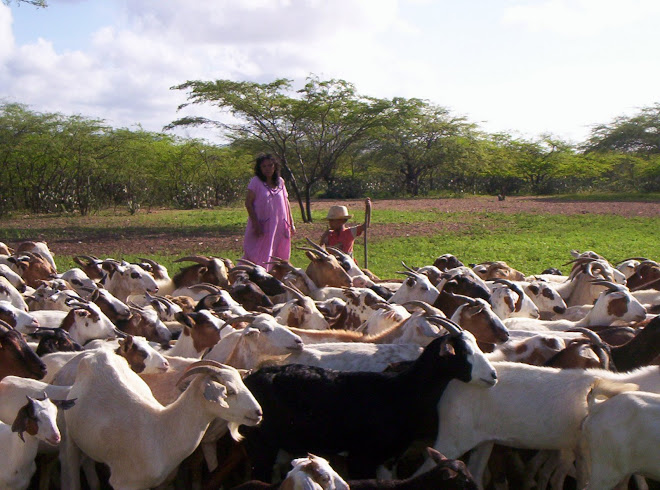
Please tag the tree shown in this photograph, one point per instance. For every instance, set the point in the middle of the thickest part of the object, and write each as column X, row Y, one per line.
column 308, row 130
column 420, row 137
column 36, row 3
column 637, row 135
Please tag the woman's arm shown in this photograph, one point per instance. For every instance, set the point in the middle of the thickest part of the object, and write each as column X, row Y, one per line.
column 249, row 205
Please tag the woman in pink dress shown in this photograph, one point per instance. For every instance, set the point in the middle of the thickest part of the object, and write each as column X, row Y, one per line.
column 270, row 225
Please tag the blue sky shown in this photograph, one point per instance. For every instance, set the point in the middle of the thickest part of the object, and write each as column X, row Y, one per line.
column 523, row 66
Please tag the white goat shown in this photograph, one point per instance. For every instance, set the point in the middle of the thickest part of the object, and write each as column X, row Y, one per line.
column 530, row 407
column 9, row 293
column 18, row 318
column 124, row 279
column 154, row 439
column 621, row 437
column 263, row 337
column 416, row 287
column 34, row 422
column 614, row 304
column 509, row 300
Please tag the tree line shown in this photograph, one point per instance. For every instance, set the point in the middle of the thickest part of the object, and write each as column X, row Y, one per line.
column 332, row 141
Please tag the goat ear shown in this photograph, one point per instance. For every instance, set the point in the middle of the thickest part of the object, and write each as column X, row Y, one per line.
column 184, row 319
column 215, row 392
column 435, row 455
column 251, row 332
column 24, row 421
column 64, row 404
column 447, row 349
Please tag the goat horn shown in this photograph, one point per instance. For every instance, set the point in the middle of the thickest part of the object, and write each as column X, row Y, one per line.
column 211, row 288
column 248, row 262
column 410, row 269
column 152, row 263
column 89, row 258
column 513, row 287
column 603, row 352
column 200, row 259
column 608, row 284
column 336, row 251
column 640, row 259
column 242, row 318
column 295, row 291
column 452, row 327
column 319, row 248
column 430, row 310
column 199, row 367
column 645, row 285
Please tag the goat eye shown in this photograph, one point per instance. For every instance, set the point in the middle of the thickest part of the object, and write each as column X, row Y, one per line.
column 135, row 275
column 77, row 282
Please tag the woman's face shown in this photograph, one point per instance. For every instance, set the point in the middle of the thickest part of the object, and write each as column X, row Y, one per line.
column 268, row 168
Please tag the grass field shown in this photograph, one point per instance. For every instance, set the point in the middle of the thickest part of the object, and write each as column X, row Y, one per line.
column 530, row 235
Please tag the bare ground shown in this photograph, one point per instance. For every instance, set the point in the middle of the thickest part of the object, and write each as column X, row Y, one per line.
column 173, row 241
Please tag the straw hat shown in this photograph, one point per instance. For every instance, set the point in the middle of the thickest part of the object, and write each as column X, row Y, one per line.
column 338, row 212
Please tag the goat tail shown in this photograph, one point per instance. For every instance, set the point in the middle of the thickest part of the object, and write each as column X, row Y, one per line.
column 605, row 388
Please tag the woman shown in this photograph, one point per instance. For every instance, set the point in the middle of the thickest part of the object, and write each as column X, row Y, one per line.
column 270, row 225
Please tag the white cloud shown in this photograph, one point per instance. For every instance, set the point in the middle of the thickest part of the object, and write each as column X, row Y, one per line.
column 581, row 18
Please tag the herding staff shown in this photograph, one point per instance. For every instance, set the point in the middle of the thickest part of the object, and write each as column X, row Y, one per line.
column 367, row 223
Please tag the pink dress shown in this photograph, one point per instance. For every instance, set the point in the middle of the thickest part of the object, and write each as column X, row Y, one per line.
column 272, row 209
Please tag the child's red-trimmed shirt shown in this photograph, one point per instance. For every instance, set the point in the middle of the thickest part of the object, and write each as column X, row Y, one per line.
column 344, row 239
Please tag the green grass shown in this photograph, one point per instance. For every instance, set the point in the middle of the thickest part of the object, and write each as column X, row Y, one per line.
column 528, row 242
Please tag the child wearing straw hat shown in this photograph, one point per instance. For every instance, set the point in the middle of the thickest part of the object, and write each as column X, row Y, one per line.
column 339, row 235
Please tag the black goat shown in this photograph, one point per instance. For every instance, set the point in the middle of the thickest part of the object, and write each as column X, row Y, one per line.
column 373, row 416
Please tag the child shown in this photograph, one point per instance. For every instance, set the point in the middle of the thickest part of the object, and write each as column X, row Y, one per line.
column 338, row 235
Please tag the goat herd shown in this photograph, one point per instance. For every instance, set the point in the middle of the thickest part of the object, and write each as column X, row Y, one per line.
column 229, row 376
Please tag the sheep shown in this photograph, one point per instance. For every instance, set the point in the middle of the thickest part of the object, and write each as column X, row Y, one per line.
column 153, row 440
column 34, row 422
column 614, row 304
column 530, row 407
column 324, row 411
column 620, row 437
column 17, row 357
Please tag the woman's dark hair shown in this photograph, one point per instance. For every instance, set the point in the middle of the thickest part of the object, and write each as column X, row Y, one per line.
column 257, row 167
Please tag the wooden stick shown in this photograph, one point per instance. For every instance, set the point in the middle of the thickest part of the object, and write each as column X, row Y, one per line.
column 367, row 223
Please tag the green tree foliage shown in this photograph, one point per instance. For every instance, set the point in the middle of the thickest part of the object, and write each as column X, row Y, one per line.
column 420, row 138
column 309, row 130
column 637, row 135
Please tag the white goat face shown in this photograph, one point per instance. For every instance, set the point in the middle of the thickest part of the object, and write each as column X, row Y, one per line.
column 314, row 473
column 154, row 361
column 483, row 372
column 45, row 414
column 242, row 408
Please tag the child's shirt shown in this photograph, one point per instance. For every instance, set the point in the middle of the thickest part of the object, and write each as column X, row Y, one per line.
column 344, row 239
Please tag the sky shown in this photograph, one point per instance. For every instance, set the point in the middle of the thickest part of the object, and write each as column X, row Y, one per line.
column 526, row 67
